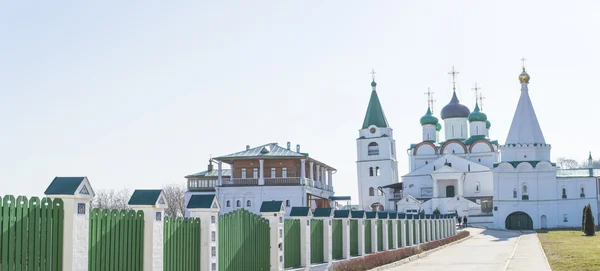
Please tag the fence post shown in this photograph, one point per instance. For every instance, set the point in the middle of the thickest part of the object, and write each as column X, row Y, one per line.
column 402, row 222
column 326, row 215
column 206, row 207
column 274, row 211
column 153, row 204
column 417, row 221
column 303, row 214
column 428, row 228
column 384, row 233
column 410, row 229
column 76, row 193
column 360, row 218
column 395, row 243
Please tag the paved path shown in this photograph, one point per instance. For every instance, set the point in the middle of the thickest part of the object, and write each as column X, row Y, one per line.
column 486, row 250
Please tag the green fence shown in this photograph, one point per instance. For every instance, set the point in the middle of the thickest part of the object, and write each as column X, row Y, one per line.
column 244, row 242
column 316, row 241
column 368, row 248
column 379, row 235
column 390, row 231
column 414, row 231
column 337, row 239
column 292, row 243
column 181, row 244
column 353, row 237
column 116, row 240
column 31, row 233
column 400, row 232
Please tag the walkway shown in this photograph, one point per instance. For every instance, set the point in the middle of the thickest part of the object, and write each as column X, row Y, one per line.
column 486, row 250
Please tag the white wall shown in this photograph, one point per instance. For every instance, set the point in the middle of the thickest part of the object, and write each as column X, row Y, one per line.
column 460, row 128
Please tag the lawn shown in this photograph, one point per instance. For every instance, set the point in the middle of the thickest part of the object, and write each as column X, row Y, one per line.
column 570, row 250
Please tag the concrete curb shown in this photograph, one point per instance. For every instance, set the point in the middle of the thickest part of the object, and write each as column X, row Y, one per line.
column 416, row 257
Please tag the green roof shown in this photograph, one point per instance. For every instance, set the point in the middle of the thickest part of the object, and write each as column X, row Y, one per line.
column 429, row 119
column 300, row 211
column 144, row 197
column 392, row 215
column 477, row 115
column 382, row 215
column 211, row 173
column 516, row 163
column 371, row 214
column 201, row 201
column 340, row 198
column 271, row 150
column 341, row 213
column 577, row 173
column 438, row 127
column 474, row 138
column 64, row 186
column 322, row 212
column 357, row 214
column 488, row 124
column 375, row 115
column 271, row 206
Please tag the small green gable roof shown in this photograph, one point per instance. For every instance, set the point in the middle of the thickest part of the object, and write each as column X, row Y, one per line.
column 273, row 206
column 144, row 197
column 357, row 214
column 322, row 212
column 341, row 213
column 371, row 215
column 64, row 186
column 392, row 215
column 300, row 211
column 201, row 201
column 374, row 115
column 382, row 215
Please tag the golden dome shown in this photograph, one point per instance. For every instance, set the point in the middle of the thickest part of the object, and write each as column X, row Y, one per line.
column 524, row 77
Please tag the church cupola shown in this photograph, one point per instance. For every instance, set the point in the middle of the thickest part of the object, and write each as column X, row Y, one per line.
column 455, row 115
column 429, row 124
column 590, row 161
column 477, row 121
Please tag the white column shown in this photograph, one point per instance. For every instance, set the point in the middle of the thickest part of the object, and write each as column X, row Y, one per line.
column 220, row 173
column 330, row 180
column 435, row 188
column 304, row 241
column 402, row 232
column 346, row 238
column 395, row 234
column 276, row 233
column 312, row 173
column 323, row 178
column 209, row 237
column 318, row 173
column 327, row 242
column 261, row 172
column 303, row 171
column 361, row 236
column 76, row 226
column 373, row 234
column 384, row 235
column 153, row 237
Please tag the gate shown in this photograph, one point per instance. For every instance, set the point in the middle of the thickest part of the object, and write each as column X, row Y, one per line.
column 368, row 248
column 181, row 244
column 379, row 235
column 244, row 242
column 519, row 221
column 353, row 237
column 390, row 235
column 316, row 241
column 337, row 237
column 291, row 243
column 31, row 233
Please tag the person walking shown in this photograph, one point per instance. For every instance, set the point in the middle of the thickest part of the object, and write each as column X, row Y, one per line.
column 465, row 221
column 459, row 221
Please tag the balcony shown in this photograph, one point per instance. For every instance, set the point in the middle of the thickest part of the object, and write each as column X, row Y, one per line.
column 240, row 181
column 283, row 181
column 200, row 185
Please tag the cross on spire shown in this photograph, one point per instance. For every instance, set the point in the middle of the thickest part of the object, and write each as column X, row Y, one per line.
column 453, row 73
column 481, row 98
column 523, row 63
column 373, row 74
column 476, row 89
column 430, row 99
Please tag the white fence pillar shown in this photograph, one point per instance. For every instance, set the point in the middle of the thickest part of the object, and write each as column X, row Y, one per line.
column 373, row 234
column 402, row 232
column 346, row 238
column 274, row 211
column 206, row 208
column 361, row 235
column 410, row 236
column 153, row 204
column 395, row 243
column 384, row 234
column 417, row 231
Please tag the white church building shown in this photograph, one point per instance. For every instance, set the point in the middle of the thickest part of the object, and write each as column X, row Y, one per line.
column 512, row 186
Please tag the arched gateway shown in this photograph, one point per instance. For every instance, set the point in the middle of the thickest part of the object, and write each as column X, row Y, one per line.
column 519, row 221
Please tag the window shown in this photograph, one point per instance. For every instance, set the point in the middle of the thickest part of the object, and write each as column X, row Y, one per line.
column 228, row 204
column 565, row 218
column 284, row 172
column 243, row 173
column 238, row 204
column 477, row 130
column 255, row 173
column 273, row 173
column 479, row 159
column 564, row 193
column 426, row 162
column 371, row 171
column 373, row 149
column 377, row 171
column 248, row 203
column 469, row 167
column 582, row 194
column 514, row 193
column 477, row 187
column 452, row 130
column 287, row 203
column 392, row 147
column 371, row 191
column 524, row 192
column 524, row 189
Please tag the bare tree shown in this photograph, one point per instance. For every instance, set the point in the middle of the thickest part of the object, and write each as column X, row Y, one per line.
column 566, row 163
column 175, row 196
column 595, row 163
column 111, row 199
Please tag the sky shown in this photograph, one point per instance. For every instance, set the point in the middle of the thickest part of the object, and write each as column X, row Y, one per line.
column 138, row 94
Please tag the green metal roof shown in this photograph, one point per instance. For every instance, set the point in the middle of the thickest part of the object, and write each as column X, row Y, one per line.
column 392, row 215
column 64, row 186
column 474, row 138
column 357, row 214
column 516, row 163
column 371, row 215
column 144, row 197
column 271, row 150
column 577, row 173
column 322, row 212
column 271, row 206
column 340, row 198
column 488, row 124
column 438, row 127
column 374, row 115
column 211, row 173
column 382, row 215
column 428, row 118
column 201, row 201
column 477, row 115
column 300, row 211
column 341, row 213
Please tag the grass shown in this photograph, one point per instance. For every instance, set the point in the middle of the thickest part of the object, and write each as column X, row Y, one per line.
column 571, row 250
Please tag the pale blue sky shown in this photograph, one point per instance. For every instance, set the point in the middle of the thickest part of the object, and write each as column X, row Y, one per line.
column 138, row 93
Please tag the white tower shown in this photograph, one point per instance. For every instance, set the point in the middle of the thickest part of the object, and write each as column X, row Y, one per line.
column 376, row 156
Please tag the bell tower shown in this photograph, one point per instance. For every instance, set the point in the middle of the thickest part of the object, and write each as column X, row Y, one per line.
column 376, row 156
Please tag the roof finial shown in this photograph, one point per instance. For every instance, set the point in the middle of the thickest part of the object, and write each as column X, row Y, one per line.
column 523, row 63
column 477, row 93
column 373, row 84
column 453, row 73
column 481, row 98
column 430, row 99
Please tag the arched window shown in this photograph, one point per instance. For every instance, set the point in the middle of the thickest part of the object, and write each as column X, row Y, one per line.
column 228, row 203
column 287, row 203
column 377, row 171
column 371, row 171
column 373, row 149
column 525, row 189
column 477, row 187
column 524, row 192
column 582, row 194
column 565, row 218
column 564, row 193
column 238, row 204
column 371, row 191
column 248, row 203
column 514, row 193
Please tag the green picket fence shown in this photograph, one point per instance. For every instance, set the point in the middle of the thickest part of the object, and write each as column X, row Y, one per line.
column 368, row 248
column 291, row 243
column 421, row 231
column 31, row 233
column 244, row 242
column 181, row 241
column 353, row 237
column 379, row 235
column 337, row 239
column 116, row 240
column 390, row 231
column 414, row 230
column 316, row 241
column 400, row 233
